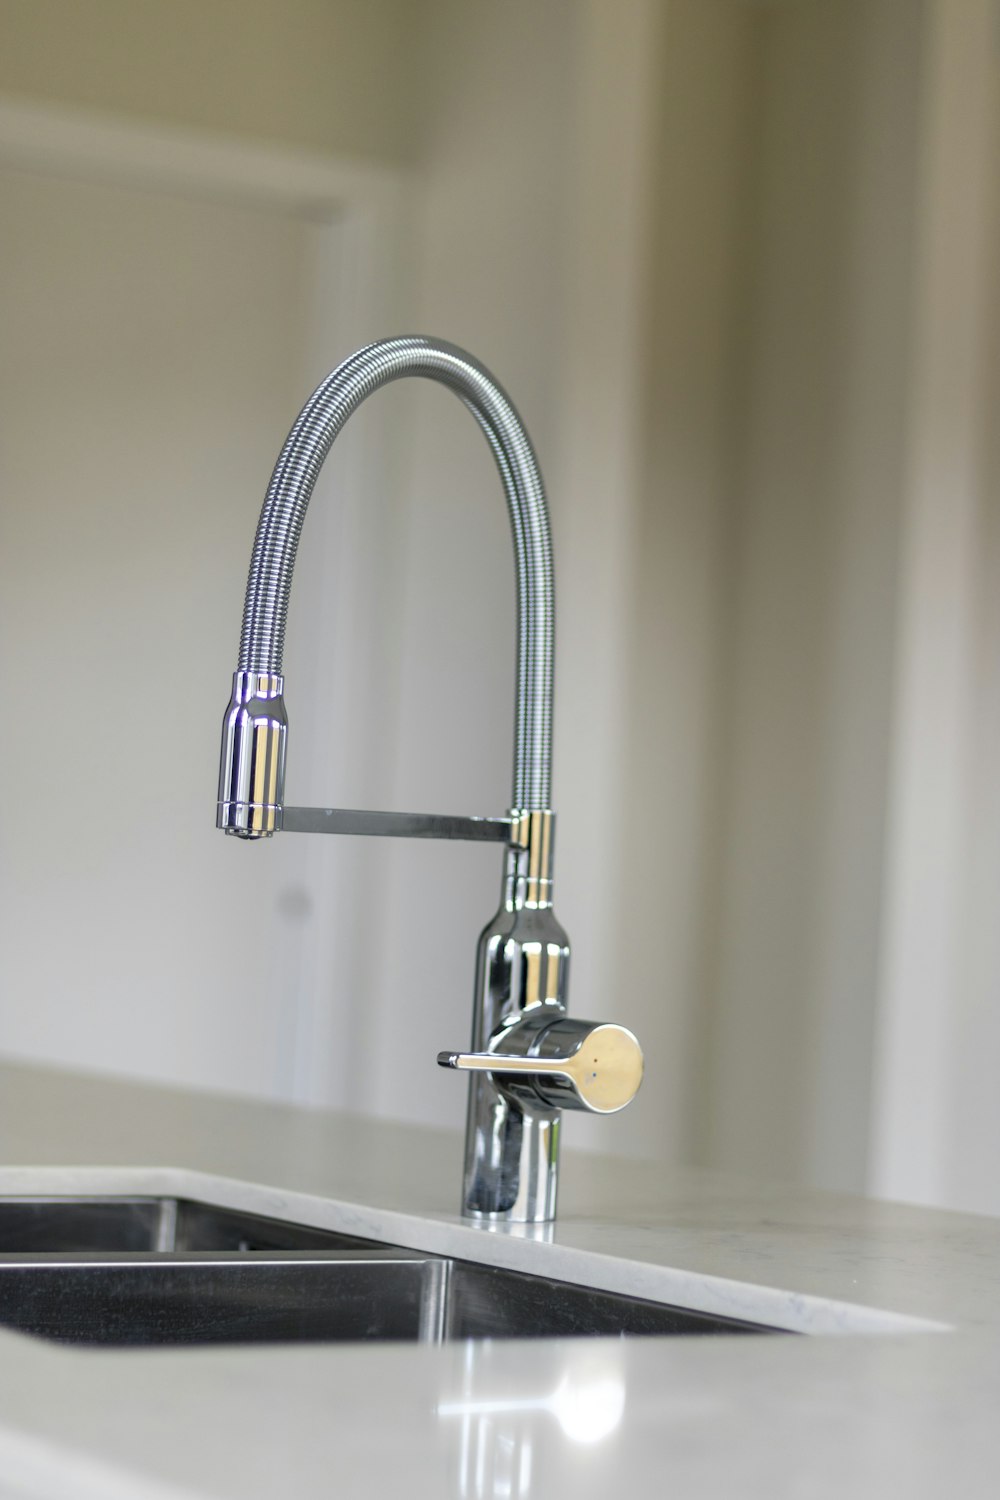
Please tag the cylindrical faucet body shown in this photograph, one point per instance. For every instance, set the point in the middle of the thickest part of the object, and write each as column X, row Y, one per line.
column 522, row 976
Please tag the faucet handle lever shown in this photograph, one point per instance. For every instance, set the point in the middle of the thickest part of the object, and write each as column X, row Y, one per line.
column 591, row 1065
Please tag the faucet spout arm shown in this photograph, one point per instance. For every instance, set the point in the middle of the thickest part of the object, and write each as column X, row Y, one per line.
column 401, row 825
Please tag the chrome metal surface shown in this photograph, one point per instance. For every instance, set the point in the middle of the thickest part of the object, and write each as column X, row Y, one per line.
column 522, row 966
column 253, row 1292
column 252, row 763
column 563, row 1063
column 535, row 834
column 315, row 1297
column 399, row 825
column 512, row 1137
column 215, row 1298
column 50, row 1224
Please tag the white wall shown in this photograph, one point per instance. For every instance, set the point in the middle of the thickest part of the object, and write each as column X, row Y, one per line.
column 665, row 793
column 139, row 401
column 807, row 588
column 327, row 75
column 848, row 995
column 936, row 1132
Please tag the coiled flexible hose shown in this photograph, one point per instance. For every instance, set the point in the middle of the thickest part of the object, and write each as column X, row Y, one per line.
column 295, row 473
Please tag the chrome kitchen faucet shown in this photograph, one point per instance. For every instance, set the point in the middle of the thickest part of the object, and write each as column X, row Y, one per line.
column 528, row 1059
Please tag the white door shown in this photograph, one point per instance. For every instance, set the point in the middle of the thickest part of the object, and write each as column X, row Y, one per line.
column 154, row 352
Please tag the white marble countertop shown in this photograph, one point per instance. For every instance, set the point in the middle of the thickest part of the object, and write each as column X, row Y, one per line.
column 896, row 1394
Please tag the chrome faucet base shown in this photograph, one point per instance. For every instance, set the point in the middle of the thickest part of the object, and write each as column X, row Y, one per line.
column 514, row 1177
column 528, row 1060
column 522, row 967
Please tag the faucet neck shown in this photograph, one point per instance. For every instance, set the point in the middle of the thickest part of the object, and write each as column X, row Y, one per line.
column 527, row 881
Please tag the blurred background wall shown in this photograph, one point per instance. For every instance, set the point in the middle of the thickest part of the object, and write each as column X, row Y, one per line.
column 736, row 264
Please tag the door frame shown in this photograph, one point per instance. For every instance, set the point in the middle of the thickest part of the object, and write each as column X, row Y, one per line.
column 358, row 291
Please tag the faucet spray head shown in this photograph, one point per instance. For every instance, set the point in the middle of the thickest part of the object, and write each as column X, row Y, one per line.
column 252, row 765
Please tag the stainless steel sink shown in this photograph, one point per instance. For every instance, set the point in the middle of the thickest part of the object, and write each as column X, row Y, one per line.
column 36, row 1224
column 147, row 1271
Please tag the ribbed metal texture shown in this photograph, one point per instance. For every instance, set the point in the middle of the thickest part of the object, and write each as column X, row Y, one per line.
column 308, row 443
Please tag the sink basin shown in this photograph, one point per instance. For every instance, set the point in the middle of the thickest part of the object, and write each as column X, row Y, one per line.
column 161, row 1271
